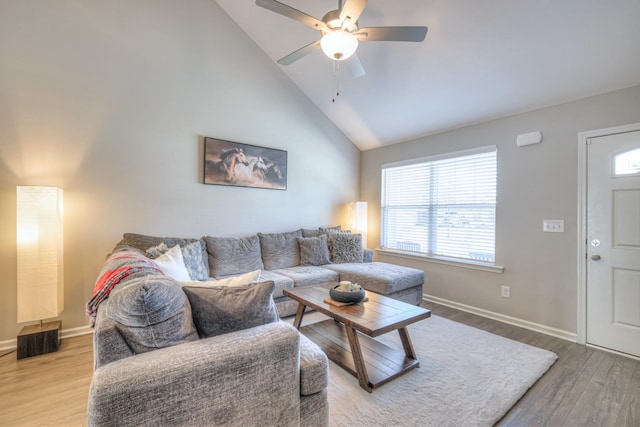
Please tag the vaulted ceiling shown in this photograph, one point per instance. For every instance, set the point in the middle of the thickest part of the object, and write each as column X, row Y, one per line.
column 481, row 60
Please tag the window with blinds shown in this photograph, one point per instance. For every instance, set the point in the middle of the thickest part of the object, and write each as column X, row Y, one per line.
column 443, row 206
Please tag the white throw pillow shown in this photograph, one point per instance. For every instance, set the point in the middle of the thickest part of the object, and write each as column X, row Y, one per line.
column 243, row 279
column 172, row 264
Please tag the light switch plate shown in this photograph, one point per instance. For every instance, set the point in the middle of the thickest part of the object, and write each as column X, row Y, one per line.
column 553, row 226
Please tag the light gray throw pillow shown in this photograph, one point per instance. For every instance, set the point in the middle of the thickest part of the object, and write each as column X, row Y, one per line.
column 280, row 250
column 345, row 248
column 314, row 250
column 151, row 312
column 220, row 310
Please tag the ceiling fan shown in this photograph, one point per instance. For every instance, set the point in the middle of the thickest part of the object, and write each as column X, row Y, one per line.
column 340, row 31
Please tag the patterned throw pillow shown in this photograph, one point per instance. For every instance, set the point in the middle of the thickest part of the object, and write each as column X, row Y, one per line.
column 314, row 250
column 221, row 310
column 192, row 255
column 345, row 248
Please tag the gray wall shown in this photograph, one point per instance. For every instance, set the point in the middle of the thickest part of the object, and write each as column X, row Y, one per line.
column 110, row 100
column 534, row 183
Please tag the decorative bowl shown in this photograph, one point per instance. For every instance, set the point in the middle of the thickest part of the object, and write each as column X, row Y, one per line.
column 346, row 296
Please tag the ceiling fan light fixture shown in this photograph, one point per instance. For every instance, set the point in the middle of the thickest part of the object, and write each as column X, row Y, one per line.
column 339, row 44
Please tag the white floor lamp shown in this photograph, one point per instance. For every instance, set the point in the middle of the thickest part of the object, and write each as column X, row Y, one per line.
column 40, row 273
column 358, row 220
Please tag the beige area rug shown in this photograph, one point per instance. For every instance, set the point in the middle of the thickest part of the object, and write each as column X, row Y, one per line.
column 467, row 377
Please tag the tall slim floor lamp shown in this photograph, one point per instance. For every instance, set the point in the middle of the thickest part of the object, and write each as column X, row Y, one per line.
column 358, row 220
column 40, row 273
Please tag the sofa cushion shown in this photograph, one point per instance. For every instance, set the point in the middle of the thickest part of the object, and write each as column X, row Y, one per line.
column 280, row 250
column 309, row 275
column 314, row 250
column 221, row 310
column 281, row 282
column 345, row 248
column 379, row 277
column 144, row 242
column 151, row 312
column 172, row 264
column 233, row 255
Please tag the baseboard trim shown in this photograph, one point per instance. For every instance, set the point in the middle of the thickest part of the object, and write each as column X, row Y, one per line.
column 532, row 326
column 10, row 345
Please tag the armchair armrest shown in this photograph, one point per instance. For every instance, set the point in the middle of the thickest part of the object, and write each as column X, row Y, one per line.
column 251, row 377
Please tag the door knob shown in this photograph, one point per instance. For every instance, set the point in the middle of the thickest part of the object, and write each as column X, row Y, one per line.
column 595, row 257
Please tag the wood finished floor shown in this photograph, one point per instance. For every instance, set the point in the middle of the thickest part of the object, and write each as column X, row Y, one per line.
column 585, row 387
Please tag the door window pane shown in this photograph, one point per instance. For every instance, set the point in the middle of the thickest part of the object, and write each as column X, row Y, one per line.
column 627, row 163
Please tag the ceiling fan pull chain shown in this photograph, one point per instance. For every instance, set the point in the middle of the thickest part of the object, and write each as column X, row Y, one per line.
column 336, row 73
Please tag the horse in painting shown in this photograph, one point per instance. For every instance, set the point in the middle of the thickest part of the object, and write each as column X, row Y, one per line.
column 229, row 159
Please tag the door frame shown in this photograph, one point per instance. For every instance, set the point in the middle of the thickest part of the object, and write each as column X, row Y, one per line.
column 583, row 137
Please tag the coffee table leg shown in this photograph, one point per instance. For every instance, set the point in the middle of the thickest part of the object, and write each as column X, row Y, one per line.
column 406, row 343
column 299, row 313
column 358, row 360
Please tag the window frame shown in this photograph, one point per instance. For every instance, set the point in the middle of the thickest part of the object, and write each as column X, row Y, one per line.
column 491, row 266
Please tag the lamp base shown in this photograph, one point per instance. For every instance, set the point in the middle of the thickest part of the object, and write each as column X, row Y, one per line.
column 39, row 339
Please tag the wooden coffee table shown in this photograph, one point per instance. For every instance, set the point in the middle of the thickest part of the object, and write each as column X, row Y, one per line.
column 347, row 338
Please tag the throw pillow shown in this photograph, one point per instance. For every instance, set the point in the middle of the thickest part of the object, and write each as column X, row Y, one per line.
column 151, row 312
column 221, row 310
column 306, row 232
column 244, row 279
column 329, row 230
column 280, row 250
column 192, row 256
column 229, row 255
column 345, row 248
column 314, row 250
column 172, row 264
column 194, row 261
column 155, row 251
column 145, row 242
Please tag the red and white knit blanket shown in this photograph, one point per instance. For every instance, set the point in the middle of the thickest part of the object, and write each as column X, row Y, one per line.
column 117, row 267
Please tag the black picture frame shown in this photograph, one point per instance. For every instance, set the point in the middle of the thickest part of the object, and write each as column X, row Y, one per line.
column 244, row 165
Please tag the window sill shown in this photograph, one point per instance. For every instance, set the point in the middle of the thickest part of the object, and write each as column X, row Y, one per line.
column 442, row 260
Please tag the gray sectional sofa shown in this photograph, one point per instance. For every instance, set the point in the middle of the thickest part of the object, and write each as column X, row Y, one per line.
column 171, row 354
column 293, row 259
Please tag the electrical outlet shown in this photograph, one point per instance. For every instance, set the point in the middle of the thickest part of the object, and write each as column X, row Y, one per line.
column 553, row 226
column 506, row 292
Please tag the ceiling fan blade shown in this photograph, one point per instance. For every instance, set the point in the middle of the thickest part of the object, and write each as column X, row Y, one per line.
column 355, row 66
column 303, row 51
column 351, row 11
column 393, row 34
column 289, row 12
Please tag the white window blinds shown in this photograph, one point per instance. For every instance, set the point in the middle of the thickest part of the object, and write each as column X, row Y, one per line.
column 443, row 206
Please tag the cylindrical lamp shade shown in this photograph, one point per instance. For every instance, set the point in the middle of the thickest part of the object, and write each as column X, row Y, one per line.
column 358, row 219
column 39, row 242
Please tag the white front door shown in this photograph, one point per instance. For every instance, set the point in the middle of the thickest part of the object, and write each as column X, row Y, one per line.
column 613, row 242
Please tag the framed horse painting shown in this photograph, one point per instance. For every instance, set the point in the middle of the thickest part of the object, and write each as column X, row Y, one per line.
column 244, row 165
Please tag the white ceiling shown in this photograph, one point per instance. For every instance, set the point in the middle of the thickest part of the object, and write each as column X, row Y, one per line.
column 481, row 60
